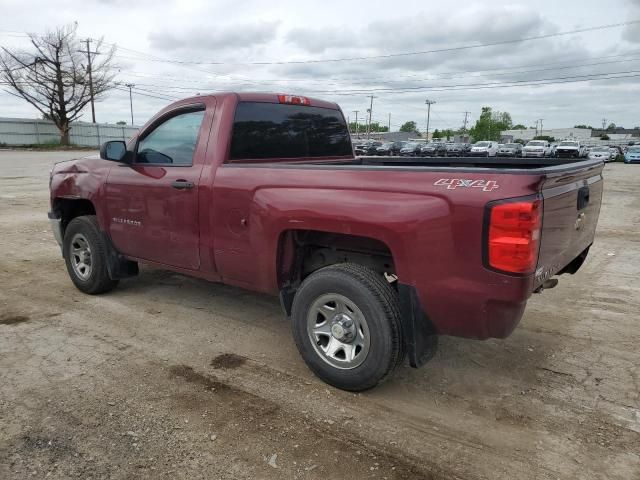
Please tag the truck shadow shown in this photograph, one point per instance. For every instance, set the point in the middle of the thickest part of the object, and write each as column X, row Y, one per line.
column 460, row 365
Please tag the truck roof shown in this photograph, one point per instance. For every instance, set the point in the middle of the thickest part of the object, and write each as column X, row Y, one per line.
column 265, row 97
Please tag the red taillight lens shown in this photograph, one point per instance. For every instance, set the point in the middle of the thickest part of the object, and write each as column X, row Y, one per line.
column 514, row 236
column 294, row 99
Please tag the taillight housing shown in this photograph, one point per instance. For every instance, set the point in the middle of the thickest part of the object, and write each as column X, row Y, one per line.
column 513, row 236
column 294, row 99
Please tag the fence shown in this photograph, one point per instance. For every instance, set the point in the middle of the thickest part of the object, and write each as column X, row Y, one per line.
column 20, row 131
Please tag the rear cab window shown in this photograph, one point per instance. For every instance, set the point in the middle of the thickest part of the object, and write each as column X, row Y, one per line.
column 279, row 131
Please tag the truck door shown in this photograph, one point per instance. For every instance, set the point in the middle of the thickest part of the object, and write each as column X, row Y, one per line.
column 153, row 202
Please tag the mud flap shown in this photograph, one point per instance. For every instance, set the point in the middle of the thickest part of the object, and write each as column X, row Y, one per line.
column 118, row 266
column 420, row 337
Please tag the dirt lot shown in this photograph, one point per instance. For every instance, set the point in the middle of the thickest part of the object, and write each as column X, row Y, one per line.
column 171, row 377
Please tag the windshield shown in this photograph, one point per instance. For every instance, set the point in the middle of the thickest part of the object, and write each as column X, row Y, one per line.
column 411, row 145
column 512, row 145
column 387, row 145
column 482, row 144
column 536, row 144
column 568, row 144
column 634, row 149
column 600, row 149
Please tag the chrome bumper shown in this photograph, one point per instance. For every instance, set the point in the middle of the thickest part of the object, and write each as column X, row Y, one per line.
column 56, row 227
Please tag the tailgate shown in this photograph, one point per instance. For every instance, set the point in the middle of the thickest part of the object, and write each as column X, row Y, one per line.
column 570, row 214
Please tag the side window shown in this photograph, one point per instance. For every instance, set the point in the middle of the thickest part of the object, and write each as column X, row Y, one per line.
column 172, row 142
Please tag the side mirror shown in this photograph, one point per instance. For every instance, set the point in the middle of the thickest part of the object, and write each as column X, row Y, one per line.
column 114, row 150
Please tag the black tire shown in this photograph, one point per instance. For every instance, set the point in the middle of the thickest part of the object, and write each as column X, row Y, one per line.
column 378, row 302
column 97, row 280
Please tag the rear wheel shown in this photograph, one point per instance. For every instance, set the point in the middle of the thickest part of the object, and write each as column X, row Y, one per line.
column 85, row 254
column 346, row 325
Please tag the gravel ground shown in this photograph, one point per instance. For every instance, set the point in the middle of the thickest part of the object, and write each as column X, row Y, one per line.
column 172, row 377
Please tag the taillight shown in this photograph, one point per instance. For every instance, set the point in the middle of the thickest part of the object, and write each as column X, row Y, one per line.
column 294, row 99
column 514, row 236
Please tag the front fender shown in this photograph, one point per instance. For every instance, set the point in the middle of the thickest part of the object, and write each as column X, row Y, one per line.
column 81, row 179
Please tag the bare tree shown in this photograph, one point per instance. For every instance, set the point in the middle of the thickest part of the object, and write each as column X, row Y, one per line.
column 56, row 77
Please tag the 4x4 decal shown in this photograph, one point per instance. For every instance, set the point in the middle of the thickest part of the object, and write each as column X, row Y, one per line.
column 453, row 183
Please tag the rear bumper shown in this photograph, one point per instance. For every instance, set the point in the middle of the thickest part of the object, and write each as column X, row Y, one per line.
column 483, row 306
column 56, row 227
column 532, row 154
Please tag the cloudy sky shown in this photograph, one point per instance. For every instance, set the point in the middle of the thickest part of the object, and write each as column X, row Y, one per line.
column 173, row 49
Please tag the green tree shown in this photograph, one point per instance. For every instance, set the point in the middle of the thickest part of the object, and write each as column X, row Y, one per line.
column 604, row 137
column 612, row 126
column 437, row 134
column 518, row 127
column 582, row 126
column 490, row 124
column 505, row 119
column 409, row 127
column 121, row 122
column 362, row 127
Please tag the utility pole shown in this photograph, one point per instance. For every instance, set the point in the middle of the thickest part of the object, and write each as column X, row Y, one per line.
column 540, row 119
column 130, row 85
column 356, row 112
column 389, row 124
column 466, row 117
column 604, row 123
column 428, row 103
column 93, row 108
column 370, row 110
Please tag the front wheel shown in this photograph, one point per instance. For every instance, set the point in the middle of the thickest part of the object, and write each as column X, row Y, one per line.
column 346, row 325
column 85, row 254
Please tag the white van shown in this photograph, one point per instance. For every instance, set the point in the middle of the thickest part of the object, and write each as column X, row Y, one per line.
column 484, row 149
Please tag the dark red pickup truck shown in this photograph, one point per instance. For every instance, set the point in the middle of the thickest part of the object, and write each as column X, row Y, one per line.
column 372, row 257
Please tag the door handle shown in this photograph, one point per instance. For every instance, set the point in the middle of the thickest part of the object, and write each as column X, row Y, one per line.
column 182, row 184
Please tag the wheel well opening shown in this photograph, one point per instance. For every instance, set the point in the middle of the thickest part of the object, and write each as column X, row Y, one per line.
column 302, row 252
column 70, row 208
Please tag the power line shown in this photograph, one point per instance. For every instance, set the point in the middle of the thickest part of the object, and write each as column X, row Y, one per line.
column 480, row 86
column 440, row 74
column 144, row 94
column 401, row 54
column 279, row 82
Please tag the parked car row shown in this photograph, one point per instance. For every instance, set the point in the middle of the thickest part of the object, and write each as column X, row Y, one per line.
column 489, row 148
column 413, row 149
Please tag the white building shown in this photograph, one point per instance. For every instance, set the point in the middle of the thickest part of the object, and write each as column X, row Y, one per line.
column 557, row 133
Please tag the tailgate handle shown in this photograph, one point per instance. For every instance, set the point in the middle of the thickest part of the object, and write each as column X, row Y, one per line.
column 583, row 197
